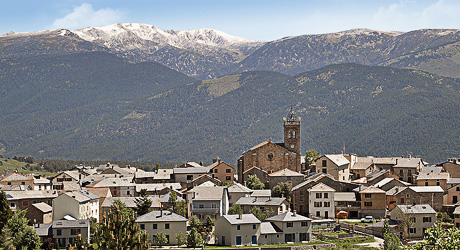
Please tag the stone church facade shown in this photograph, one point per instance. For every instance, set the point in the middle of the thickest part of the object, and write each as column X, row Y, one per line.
column 272, row 157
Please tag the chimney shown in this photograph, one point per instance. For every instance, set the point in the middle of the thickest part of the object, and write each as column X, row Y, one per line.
column 161, row 211
column 294, row 213
column 396, row 162
column 240, row 216
column 214, row 160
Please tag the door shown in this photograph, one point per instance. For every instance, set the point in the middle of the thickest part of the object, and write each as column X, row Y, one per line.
column 301, row 209
column 326, row 214
column 454, row 199
column 293, row 237
column 238, row 240
column 254, row 240
column 223, row 240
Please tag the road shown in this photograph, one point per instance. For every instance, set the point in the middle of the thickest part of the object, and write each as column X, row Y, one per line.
column 377, row 244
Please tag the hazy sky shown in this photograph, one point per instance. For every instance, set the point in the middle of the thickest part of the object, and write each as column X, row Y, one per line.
column 255, row 19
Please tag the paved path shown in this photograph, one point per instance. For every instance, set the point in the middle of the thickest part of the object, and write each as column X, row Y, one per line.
column 377, row 244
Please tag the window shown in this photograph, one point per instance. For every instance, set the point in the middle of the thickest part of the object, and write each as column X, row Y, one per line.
column 401, row 172
column 270, row 156
column 303, row 224
column 412, row 230
column 143, row 226
column 167, row 226
column 324, row 163
column 458, row 188
column 214, row 205
column 201, row 205
column 326, row 195
column 319, row 195
column 128, row 193
column 167, row 239
column 368, row 204
column 253, row 226
column 228, row 178
column 155, row 226
column 426, row 183
column 75, row 231
column 23, row 183
column 367, row 196
column 288, row 178
column 216, row 170
column 25, row 203
column 59, row 232
column 327, row 204
column 438, row 184
column 426, row 219
column 9, row 183
column 12, row 205
column 114, row 192
column 290, row 134
column 189, row 177
column 238, row 227
column 228, row 170
column 290, row 224
column 318, row 204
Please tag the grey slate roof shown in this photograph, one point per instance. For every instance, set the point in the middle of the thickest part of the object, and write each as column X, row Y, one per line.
column 261, row 193
column 408, row 163
column 45, row 208
column 16, row 177
column 114, row 182
column 43, row 230
column 432, row 176
column 70, row 223
column 395, row 190
column 269, row 228
column 417, row 209
column 344, row 196
column 208, row 193
column 245, row 219
column 286, row 172
column 453, row 181
column 427, row 189
column 130, row 201
column 238, row 188
column 163, row 216
column 321, row 187
column 338, row 159
column 163, row 174
column 157, row 186
column 288, row 216
column 194, row 170
column 260, row 201
column 432, row 169
column 38, row 194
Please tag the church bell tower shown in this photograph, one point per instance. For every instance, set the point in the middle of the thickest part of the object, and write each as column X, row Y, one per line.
column 292, row 132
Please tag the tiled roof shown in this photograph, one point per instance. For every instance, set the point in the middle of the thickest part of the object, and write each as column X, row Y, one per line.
column 288, row 216
column 432, row 176
column 160, row 216
column 408, row 162
column 321, row 187
column 235, row 219
column 362, row 163
column 208, row 193
column 16, row 177
column 338, row 159
column 417, row 209
column 261, row 201
column 285, row 172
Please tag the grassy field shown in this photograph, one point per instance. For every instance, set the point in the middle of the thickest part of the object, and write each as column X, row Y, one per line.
column 10, row 165
column 272, row 245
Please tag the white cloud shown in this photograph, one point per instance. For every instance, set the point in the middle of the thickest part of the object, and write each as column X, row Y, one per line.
column 84, row 16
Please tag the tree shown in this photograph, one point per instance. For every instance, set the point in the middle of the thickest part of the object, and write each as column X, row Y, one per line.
column 282, row 189
column 257, row 212
column 310, row 157
column 143, row 204
column 18, row 235
column 253, row 182
column 181, row 208
column 236, row 209
column 172, row 200
column 180, row 237
column 439, row 239
column 209, row 224
column 160, row 239
column 391, row 241
column 194, row 222
column 194, row 238
column 5, row 210
column 118, row 230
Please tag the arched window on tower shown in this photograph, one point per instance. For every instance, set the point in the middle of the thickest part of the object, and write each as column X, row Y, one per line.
column 293, row 134
column 290, row 134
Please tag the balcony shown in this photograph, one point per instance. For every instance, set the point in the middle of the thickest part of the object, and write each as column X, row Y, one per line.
column 205, row 210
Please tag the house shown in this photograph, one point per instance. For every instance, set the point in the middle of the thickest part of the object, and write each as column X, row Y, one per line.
column 204, row 178
column 388, row 183
column 385, row 163
column 23, row 199
column 119, row 187
column 156, row 188
column 373, row 202
column 321, row 202
column 130, row 202
column 163, row 221
column 336, row 165
column 45, row 232
column 414, row 219
column 287, row 176
column 236, row 191
column 66, row 176
column 261, row 193
column 349, row 202
column 66, row 232
column 122, row 172
column 451, row 166
column 205, row 201
column 362, row 167
column 415, row 195
column 221, row 171
column 432, row 195
column 261, row 174
column 451, row 197
column 17, row 179
column 275, row 204
column 272, row 157
column 294, row 227
column 40, row 213
column 159, row 176
column 406, row 168
column 103, row 193
column 237, row 230
column 433, row 179
column 80, row 205
column 41, row 183
column 186, row 175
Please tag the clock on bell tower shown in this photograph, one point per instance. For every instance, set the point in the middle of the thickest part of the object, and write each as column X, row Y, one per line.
column 292, row 132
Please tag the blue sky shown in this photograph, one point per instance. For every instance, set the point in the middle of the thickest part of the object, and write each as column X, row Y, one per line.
column 256, row 19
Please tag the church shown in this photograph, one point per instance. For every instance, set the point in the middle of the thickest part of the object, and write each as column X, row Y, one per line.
column 270, row 157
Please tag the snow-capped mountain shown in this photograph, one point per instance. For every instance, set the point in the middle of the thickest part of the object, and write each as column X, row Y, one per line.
column 135, row 35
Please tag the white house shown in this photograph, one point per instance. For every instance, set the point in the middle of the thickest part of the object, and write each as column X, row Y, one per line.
column 321, row 203
column 79, row 205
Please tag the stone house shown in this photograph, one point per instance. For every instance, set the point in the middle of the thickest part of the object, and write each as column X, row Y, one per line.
column 407, row 168
column 40, row 213
column 261, row 174
column 237, row 191
column 321, row 202
column 362, row 167
column 160, row 176
column 415, row 195
column 388, row 183
column 66, row 232
column 221, row 171
column 24, row 199
column 432, row 195
column 433, row 179
column 419, row 218
column 17, row 179
column 186, row 175
column 66, row 176
column 336, row 165
column 452, row 166
column 119, row 187
column 275, row 204
column 373, row 202
column 204, row 201
column 130, row 202
column 163, row 221
column 349, row 202
column 287, row 176
column 204, row 178
column 451, row 197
